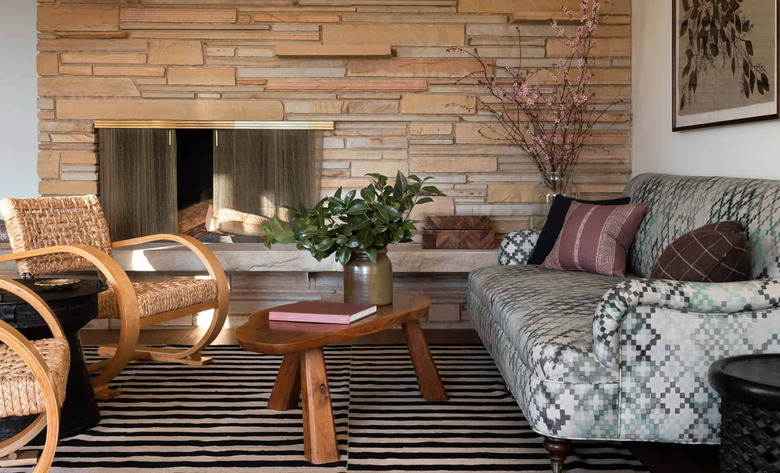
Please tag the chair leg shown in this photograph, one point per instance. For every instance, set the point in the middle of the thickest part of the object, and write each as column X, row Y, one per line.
column 186, row 356
column 558, row 449
column 123, row 353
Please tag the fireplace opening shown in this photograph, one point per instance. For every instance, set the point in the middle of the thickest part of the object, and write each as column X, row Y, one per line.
column 194, row 167
column 194, row 180
column 216, row 185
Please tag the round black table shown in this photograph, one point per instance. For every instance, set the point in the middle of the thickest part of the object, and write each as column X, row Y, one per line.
column 74, row 308
column 749, row 388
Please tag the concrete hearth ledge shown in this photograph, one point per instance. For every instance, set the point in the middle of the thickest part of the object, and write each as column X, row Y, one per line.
column 237, row 257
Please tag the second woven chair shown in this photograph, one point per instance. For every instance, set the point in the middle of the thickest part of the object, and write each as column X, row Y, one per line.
column 53, row 235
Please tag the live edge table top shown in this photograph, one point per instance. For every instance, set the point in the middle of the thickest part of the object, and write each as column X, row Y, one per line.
column 260, row 335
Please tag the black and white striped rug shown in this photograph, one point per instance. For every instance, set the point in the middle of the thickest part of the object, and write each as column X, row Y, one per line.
column 212, row 419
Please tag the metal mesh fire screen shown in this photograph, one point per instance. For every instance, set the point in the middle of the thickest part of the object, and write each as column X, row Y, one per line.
column 255, row 173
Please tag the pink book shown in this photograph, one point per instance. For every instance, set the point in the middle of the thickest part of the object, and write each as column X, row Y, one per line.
column 322, row 312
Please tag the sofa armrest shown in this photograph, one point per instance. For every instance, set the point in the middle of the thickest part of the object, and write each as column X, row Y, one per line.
column 517, row 247
column 674, row 296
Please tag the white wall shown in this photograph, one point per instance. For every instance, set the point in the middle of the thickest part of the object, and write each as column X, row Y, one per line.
column 18, row 94
column 748, row 150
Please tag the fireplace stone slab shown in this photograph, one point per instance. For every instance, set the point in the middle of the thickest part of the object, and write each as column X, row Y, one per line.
column 243, row 257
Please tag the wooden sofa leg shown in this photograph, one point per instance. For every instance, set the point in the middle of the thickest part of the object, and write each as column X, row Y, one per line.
column 558, row 449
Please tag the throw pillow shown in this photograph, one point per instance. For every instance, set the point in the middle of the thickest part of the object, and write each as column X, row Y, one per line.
column 712, row 253
column 555, row 217
column 596, row 238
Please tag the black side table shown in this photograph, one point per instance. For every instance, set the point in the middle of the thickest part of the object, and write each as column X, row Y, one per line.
column 74, row 308
column 749, row 387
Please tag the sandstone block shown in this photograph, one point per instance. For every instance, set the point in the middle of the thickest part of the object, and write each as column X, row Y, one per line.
column 71, row 70
column 79, row 158
column 327, row 50
column 202, row 76
column 455, row 68
column 453, row 164
column 78, row 17
column 471, row 133
column 282, row 72
column 388, row 168
column 131, row 71
column 431, row 128
column 377, row 142
column 175, row 53
column 605, row 47
column 395, row 34
column 345, row 85
column 87, row 86
column 47, row 64
column 293, row 18
column 177, row 15
column 511, row 193
column 153, row 109
column 436, row 104
column 67, row 187
column 103, row 58
column 49, row 165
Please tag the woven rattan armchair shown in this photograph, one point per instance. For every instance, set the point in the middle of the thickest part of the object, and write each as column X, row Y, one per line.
column 33, row 378
column 53, row 235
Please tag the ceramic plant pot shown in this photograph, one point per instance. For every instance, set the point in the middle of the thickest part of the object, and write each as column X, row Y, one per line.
column 367, row 282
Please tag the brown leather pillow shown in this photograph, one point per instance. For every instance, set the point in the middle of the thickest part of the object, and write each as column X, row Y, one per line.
column 712, row 253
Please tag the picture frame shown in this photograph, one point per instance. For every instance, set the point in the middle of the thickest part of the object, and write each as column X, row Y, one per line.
column 725, row 67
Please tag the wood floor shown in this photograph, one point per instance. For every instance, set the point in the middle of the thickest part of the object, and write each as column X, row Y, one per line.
column 658, row 457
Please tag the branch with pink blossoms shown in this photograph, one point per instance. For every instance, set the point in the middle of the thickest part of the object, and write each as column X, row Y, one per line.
column 550, row 122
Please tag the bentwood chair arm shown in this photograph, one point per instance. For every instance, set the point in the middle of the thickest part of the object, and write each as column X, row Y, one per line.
column 125, row 295
column 204, row 254
column 41, row 307
column 33, row 359
column 214, row 268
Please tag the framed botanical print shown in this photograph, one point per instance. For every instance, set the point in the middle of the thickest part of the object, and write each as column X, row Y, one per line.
column 725, row 62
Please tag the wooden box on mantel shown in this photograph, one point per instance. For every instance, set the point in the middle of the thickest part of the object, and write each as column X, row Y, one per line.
column 464, row 232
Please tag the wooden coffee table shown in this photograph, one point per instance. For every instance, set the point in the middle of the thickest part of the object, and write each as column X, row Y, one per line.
column 303, row 375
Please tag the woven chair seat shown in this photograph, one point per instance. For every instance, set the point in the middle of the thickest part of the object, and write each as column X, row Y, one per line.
column 160, row 296
column 20, row 393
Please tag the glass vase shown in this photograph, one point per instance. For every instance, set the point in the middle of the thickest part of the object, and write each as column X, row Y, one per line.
column 557, row 183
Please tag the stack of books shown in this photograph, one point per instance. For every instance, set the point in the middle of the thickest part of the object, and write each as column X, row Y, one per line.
column 318, row 312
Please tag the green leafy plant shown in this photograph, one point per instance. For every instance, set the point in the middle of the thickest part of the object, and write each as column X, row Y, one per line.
column 348, row 222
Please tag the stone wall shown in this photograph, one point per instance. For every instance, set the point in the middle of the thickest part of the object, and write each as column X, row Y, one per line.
column 379, row 68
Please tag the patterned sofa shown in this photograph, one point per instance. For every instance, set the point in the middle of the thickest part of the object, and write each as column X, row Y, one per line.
column 595, row 357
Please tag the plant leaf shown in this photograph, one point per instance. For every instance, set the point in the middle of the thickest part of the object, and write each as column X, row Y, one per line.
column 365, row 239
column 371, row 253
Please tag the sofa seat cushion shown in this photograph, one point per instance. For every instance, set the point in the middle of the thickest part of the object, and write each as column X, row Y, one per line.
column 548, row 317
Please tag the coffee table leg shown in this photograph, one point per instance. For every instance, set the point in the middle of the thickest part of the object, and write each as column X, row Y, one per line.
column 319, row 429
column 424, row 366
column 287, row 388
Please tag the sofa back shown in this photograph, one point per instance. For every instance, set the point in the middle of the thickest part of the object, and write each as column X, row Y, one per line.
column 679, row 204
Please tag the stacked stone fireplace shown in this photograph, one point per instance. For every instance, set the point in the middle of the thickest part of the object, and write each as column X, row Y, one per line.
column 381, row 70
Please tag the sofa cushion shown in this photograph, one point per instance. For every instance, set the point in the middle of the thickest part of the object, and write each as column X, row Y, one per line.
column 712, row 253
column 680, row 204
column 554, row 224
column 596, row 239
column 548, row 317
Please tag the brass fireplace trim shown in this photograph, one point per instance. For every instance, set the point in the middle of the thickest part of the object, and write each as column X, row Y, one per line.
column 215, row 125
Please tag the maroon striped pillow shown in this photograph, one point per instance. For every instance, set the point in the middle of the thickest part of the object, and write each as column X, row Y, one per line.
column 596, row 238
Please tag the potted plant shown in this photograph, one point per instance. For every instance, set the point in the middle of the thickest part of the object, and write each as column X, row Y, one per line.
column 357, row 229
column 547, row 114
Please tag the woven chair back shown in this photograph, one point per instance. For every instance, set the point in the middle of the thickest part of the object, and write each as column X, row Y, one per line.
column 50, row 221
